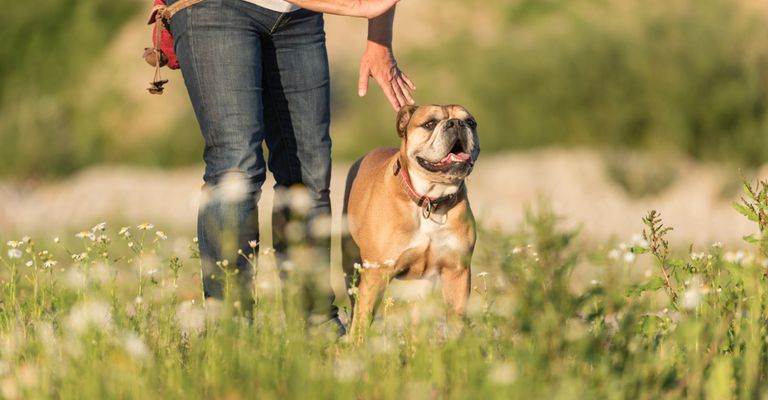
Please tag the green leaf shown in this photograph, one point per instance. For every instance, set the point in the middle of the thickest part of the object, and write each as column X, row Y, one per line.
column 677, row 264
column 753, row 238
column 745, row 211
column 748, row 190
column 654, row 284
column 639, row 250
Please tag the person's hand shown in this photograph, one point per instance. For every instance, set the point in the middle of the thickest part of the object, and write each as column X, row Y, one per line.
column 352, row 8
column 379, row 62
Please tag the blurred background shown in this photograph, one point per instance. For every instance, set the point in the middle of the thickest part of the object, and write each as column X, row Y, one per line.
column 607, row 108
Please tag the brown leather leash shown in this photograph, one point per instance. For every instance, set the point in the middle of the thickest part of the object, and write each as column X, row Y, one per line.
column 161, row 16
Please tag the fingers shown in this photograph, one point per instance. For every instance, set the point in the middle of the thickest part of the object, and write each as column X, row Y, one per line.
column 404, row 89
column 398, row 91
column 386, row 87
column 407, row 80
column 362, row 81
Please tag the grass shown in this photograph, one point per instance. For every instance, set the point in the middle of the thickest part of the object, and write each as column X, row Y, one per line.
column 111, row 314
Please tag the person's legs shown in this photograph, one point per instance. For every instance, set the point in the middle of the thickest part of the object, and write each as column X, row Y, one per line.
column 297, row 119
column 220, row 53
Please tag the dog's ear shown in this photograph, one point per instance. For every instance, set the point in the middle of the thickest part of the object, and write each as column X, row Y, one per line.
column 403, row 117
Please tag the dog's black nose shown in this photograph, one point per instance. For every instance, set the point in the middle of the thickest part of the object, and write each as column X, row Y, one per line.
column 454, row 122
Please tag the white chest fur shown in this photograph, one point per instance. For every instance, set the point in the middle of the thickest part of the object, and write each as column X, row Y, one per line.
column 435, row 238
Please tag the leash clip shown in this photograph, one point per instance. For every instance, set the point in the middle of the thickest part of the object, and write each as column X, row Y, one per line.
column 427, row 208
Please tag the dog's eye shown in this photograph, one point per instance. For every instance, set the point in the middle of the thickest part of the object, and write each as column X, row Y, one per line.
column 431, row 124
column 472, row 123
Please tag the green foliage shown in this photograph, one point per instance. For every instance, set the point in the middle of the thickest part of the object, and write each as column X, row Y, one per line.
column 686, row 76
column 110, row 315
column 46, row 51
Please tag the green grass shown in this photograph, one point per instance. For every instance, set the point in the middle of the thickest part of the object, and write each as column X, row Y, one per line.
column 121, row 316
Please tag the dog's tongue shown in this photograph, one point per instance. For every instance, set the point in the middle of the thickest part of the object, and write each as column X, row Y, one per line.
column 453, row 157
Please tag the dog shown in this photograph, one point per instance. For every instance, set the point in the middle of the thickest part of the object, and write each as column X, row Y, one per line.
column 406, row 211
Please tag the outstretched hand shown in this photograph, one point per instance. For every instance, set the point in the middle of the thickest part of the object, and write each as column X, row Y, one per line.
column 379, row 63
column 351, row 8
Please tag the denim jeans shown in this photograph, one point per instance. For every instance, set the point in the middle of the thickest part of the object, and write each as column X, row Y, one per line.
column 255, row 75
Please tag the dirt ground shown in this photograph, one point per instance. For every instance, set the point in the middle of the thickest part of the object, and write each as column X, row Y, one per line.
column 576, row 182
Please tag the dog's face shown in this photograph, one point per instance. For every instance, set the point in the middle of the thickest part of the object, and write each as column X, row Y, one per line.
column 441, row 142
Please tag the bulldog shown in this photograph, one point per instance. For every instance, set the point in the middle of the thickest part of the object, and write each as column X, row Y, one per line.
column 406, row 210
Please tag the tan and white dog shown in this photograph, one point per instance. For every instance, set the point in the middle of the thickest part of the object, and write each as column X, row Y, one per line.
column 407, row 212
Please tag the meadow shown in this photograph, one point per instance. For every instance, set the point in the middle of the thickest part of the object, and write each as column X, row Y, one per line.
column 118, row 313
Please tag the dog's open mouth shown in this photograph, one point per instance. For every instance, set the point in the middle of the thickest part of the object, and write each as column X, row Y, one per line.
column 457, row 155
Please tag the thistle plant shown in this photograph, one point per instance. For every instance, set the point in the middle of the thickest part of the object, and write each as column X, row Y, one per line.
column 754, row 205
column 658, row 245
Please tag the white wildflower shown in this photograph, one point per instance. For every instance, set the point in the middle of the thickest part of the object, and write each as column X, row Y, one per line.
column 482, row 274
column 693, row 295
column 734, row 257
column 79, row 257
column 89, row 314
column 357, row 266
column 74, row 279
column 101, row 226
column 145, row 226
column 629, row 257
column 13, row 244
column 86, row 235
column 135, row 347
column 233, row 187
column 125, row 232
column 637, row 241
column 717, row 245
column 56, row 240
column 253, row 243
column 161, row 235
column 191, row 318
column 352, row 291
column 14, row 253
column 614, row 254
column 50, row 264
column 691, row 298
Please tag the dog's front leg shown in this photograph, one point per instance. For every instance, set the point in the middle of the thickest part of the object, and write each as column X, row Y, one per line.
column 456, row 285
column 369, row 290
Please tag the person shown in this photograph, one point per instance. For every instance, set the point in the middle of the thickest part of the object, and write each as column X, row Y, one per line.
column 256, row 71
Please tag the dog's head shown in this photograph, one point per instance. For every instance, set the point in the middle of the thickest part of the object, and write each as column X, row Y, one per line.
column 440, row 142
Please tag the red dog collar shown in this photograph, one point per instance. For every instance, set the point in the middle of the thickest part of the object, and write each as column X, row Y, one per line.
column 427, row 204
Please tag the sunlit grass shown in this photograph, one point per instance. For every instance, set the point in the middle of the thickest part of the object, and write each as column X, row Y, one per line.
column 117, row 312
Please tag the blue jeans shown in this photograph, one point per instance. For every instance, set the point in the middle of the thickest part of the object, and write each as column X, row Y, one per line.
column 255, row 75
